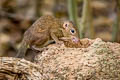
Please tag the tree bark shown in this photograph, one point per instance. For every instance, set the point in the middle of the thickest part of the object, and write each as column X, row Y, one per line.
column 19, row 69
column 99, row 61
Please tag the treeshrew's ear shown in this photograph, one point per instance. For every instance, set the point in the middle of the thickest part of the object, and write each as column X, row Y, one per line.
column 66, row 24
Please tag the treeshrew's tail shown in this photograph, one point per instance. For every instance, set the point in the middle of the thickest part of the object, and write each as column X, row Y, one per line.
column 22, row 50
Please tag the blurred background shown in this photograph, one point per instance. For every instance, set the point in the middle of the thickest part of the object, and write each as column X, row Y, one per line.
column 93, row 18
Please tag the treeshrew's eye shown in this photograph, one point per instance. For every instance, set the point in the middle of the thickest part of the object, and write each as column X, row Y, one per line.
column 72, row 31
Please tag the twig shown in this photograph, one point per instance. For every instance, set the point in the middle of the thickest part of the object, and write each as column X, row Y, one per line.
column 72, row 11
column 90, row 21
column 116, row 25
column 86, row 19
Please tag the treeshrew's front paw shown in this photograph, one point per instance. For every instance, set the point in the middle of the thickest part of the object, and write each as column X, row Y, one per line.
column 60, row 43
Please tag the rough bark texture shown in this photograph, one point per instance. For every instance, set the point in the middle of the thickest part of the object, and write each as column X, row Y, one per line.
column 18, row 69
column 99, row 61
